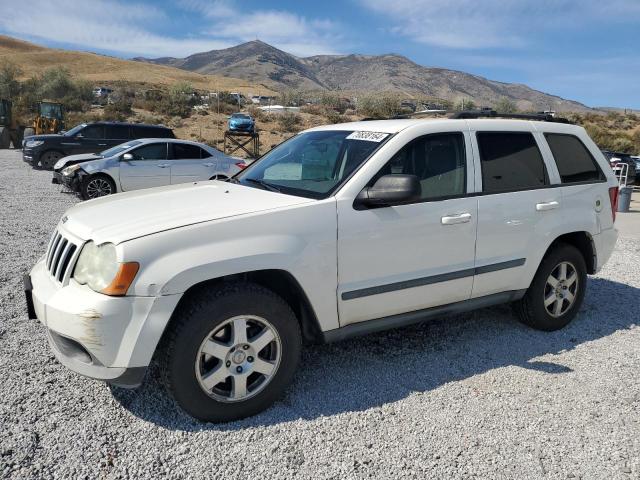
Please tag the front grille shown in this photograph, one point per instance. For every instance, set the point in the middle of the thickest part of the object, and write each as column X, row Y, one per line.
column 59, row 255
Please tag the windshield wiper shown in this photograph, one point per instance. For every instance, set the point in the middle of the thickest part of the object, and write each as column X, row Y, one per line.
column 263, row 184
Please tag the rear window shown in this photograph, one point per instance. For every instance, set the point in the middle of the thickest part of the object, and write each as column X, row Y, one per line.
column 151, row 132
column 183, row 151
column 510, row 161
column 117, row 132
column 574, row 161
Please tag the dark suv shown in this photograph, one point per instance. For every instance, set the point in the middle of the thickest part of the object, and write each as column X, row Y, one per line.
column 46, row 150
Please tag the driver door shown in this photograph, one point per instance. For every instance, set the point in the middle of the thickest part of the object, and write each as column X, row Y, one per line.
column 149, row 167
column 403, row 258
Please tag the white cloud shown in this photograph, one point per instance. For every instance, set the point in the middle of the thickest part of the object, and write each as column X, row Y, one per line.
column 130, row 29
column 474, row 24
column 107, row 25
column 289, row 32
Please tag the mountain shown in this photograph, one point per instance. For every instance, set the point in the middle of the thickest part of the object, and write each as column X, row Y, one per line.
column 259, row 62
column 33, row 59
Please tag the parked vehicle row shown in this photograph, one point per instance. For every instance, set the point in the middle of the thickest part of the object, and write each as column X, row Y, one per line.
column 618, row 161
column 45, row 150
column 103, row 158
column 340, row 231
column 143, row 163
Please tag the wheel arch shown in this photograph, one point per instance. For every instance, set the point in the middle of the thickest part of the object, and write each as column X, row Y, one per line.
column 583, row 241
column 281, row 282
column 101, row 174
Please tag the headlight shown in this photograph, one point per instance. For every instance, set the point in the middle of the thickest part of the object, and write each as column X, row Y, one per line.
column 59, row 164
column 98, row 268
column 34, row 143
column 70, row 170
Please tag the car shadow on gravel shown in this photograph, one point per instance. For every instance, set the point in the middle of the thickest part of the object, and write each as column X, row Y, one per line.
column 375, row 370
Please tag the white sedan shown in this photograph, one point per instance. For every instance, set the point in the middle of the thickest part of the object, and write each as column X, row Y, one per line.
column 151, row 162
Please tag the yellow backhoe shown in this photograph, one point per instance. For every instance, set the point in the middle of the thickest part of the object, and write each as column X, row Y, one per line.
column 49, row 119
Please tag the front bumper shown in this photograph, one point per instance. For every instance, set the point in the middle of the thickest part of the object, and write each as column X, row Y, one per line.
column 102, row 337
column 29, row 156
column 73, row 183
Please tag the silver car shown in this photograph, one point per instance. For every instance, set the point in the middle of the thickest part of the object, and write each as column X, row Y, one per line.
column 150, row 162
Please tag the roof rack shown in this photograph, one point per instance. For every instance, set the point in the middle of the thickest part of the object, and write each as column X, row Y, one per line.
column 540, row 117
column 486, row 113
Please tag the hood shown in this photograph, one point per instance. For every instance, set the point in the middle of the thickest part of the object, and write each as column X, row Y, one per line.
column 43, row 137
column 72, row 159
column 125, row 216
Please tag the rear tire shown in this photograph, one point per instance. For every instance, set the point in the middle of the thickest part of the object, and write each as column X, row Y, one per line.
column 97, row 186
column 5, row 137
column 557, row 291
column 49, row 159
column 243, row 373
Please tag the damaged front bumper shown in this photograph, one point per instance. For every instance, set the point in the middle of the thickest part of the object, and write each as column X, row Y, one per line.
column 96, row 335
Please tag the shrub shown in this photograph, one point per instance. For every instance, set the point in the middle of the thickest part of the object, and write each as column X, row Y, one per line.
column 290, row 122
column 379, row 106
column 504, row 105
column 9, row 84
column 118, row 110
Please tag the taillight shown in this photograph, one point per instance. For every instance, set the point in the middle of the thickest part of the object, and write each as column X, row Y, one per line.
column 613, row 196
column 241, row 165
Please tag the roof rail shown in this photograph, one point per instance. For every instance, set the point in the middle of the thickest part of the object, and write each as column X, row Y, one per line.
column 540, row 117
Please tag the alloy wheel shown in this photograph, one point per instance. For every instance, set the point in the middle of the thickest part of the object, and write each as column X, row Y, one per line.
column 98, row 187
column 561, row 289
column 238, row 358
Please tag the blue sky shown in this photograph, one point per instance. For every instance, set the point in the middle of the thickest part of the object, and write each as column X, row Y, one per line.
column 586, row 50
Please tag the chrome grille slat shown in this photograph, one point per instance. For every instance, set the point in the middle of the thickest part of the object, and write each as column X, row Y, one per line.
column 61, row 261
column 61, row 256
column 52, row 250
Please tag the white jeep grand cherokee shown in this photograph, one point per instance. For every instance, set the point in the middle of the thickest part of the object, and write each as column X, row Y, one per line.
column 340, row 231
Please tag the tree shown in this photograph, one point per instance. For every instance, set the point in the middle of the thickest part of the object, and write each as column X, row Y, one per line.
column 9, row 84
column 504, row 105
column 465, row 104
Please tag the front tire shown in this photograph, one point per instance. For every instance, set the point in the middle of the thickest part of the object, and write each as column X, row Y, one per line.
column 230, row 352
column 97, row 186
column 49, row 159
column 557, row 291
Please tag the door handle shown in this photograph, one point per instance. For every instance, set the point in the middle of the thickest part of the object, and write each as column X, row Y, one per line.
column 102, row 144
column 544, row 206
column 455, row 219
column 164, row 165
column 208, row 164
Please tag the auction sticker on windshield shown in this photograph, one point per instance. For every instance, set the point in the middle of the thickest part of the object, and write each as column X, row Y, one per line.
column 368, row 136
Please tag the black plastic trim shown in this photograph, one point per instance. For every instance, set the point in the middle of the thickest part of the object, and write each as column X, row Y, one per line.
column 131, row 378
column 404, row 319
column 28, row 291
column 422, row 281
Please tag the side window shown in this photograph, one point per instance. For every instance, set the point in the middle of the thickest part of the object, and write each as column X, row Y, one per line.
column 510, row 161
column 117, row 132
column 93, row 131
column 439, row 162
column 184, row 151
column 205, row 154
column 154, row 151
column 574, row 161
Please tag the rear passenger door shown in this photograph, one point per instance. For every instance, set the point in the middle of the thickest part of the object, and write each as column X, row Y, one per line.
column 148, row 168
column 90, row 140
column 190, row 163
column 518, row 209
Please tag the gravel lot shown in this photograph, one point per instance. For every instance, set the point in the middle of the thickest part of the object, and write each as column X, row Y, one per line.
column 471, row 396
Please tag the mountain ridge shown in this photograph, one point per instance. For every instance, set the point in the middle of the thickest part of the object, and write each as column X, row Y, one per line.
column 259, row 62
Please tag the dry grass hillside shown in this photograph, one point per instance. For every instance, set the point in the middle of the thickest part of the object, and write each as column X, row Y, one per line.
column 33, row 59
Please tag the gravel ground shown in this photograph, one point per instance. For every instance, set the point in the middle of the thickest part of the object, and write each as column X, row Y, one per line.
column 469, row 396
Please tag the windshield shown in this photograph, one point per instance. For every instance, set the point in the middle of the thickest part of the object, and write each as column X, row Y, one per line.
column 240, row 115
column 74, row 130
column 51, row 110
column 312, row 164
column 118, row 149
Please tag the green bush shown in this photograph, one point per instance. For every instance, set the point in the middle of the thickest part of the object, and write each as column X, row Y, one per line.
column 118, row 110
column 379, row 106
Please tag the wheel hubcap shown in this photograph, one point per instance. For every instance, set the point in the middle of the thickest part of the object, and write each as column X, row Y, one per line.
column 238, row 359
column 561, row 289
column 98, row 187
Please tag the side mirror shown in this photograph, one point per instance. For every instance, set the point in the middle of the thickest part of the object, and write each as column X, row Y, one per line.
column 391, row 190
column 127, row 157
column 79, row 135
